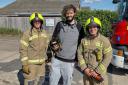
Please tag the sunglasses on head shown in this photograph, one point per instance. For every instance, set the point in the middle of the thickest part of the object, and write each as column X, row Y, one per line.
column 53, row 43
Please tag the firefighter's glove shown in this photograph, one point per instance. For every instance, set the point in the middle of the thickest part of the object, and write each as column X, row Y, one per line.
column 87, row 72
column 96, row 76
column 25, row 69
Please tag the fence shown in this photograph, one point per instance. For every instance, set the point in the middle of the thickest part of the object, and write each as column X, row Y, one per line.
column 23, row 22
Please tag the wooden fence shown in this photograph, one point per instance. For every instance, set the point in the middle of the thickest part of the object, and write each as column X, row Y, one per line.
column 23, row 22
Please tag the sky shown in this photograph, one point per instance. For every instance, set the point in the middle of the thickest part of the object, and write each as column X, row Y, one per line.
column 99, row 4
column 93, row 4
column 5, row 2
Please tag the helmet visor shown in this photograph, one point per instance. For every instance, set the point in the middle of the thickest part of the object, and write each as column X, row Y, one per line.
column 93, row 25
column 37, row 20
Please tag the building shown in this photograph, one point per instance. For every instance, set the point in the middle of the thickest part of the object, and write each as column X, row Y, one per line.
column 15, row 15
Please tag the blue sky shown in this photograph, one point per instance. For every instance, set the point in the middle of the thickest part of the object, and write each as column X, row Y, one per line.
column 99, row 4
column 94, row 4
column 5, row 2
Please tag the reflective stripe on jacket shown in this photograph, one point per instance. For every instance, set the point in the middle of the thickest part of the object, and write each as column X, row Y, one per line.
column 95, row 53
column 33, row 46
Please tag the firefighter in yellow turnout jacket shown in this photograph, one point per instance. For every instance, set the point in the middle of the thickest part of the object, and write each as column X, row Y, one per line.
column 94, row 54
column 33, row 46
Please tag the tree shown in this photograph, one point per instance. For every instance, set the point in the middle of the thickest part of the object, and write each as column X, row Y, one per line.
column 106, row 17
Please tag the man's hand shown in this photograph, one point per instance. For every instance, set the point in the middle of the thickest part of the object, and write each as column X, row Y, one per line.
column 96, row 76
column 93, row 73
column 25, row 69
column 48, row 60
column 87, row 71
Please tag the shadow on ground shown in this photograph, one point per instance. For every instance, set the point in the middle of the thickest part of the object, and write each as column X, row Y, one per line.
column 118, row 71
column 10, row 66
column 21, row 78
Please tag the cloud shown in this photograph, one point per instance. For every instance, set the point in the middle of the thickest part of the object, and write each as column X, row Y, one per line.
column 90, row 1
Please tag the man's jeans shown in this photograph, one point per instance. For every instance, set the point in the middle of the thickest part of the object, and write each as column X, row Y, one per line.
column 60, row 68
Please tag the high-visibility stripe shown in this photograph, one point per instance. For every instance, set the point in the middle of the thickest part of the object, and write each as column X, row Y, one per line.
column 102, row 68
column 98, row 44
column 24, row 58
column 86, row 43
column 36, row 36
column 33, row 37
column 43, row 35
column 107, row 49
column 101, row 44
column 24, row 43
column 82, row 62
column 36, row 61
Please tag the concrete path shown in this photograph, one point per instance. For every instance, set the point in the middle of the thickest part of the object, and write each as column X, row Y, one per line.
column 10, row 66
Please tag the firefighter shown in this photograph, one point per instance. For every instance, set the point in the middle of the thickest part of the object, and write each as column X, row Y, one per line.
column 94, row 54
column 33, row 47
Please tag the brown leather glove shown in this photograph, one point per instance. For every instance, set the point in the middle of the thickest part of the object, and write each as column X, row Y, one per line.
column 99, row 78
column 87, row 72
column 25, row 69
column 96, row 76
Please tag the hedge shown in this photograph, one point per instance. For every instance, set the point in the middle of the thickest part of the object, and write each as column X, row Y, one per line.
column 9, row 31
column 106, row 17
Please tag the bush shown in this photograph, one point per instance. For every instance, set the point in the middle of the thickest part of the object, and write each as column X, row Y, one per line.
column 9, row 31
column 106, row 17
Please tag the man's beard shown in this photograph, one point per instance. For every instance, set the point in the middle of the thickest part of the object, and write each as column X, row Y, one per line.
column 68, row 21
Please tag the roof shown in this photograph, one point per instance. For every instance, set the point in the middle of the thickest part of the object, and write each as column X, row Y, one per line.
column 47, row 7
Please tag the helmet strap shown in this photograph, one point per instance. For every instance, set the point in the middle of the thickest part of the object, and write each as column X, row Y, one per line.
column 31, row 31
column 92, row 37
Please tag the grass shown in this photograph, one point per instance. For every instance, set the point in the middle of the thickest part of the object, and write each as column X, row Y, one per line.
column 9, row 31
